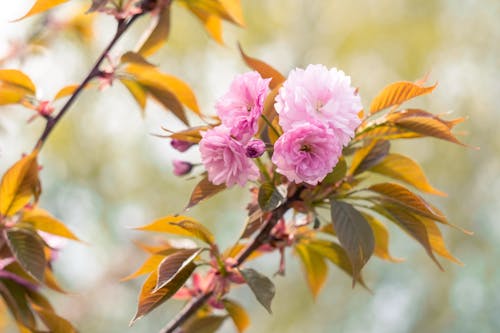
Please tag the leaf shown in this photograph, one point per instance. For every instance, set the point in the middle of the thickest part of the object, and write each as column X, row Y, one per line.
column 54, row 323
column 212, row 24
column 314, row 267
column 369, row 155
column 18, row 79
column 339, row 172
column 66, row 91
column 264, row 69
column 169, row 101
column 135, row 58
column 42, row 6
column 147, row 267
column 28, row 249
column 381, row 236
column 138, row 92
column 397, row 93
column 400, row 195
column 405, row 169
column 428, row 127
column 262, row 287
column 220, row 8
column 172, row 264
column 436, row 240
column 14, row 296
column 354, row 233
column 204, row 190
column 335, row 254
column 159, row 34
column 269, row 112
column 271, row 197
column 182, row 226
column 233, row 9
column 19, row 184
column 205, row 324
column 148, row 300
column 152, row 78
column 253, row 223
column 51, row 281
column 238, row 314
column 43, row 221
column 411, row 225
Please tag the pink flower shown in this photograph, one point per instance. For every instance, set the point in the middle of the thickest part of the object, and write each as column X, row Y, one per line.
column 225, row 158
column 319, row 94
column 240, row 108
column 307, row 153
column 255, row 148
column 180, row 145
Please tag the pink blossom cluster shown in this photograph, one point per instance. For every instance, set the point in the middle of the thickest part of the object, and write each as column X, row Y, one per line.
column 318, row 112
column 226, row 150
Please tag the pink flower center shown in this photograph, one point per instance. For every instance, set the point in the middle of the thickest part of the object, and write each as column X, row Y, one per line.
column 306, row 148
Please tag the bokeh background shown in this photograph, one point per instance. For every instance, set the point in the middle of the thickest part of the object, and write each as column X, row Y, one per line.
column 105, row 171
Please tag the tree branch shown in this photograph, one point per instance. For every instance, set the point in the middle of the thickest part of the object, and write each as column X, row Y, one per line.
column 123, row 25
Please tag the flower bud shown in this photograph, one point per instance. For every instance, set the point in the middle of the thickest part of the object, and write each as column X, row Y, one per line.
column 182, row 168
column 180, row 145
column 255, row 148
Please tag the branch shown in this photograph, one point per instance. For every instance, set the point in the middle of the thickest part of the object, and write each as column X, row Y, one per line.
column 123, row 25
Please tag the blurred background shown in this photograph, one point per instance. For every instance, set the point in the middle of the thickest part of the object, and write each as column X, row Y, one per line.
column 104, row 170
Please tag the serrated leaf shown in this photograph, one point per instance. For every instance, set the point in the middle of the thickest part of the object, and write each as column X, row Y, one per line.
column 397, row 93
column 138, row 92
column 238, row 314
column 265, row 70
column 43, row 221
column 381, row 235
column 172, row 264
column 398, row 194
column 205, row 324
column 271, row 197
column 411, row 225
column 157, row 37
column 41, row 6
column 314, row 268
column 17, row 79
column 182, row 226
column 28, row 249
column 354, row 233
column 405, row 169
column 204, row 190
column 19, row 184
column 55, row 323
column 262, row 287
column 148, row 300
column 428, row 127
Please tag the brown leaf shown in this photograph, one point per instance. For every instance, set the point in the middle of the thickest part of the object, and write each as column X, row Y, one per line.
column 369, row 155
column 265, row 70
column 156, row 37
column 55, row 323
column 174, row 263
column 397, row 93
column 203, row 324
column 204, row 190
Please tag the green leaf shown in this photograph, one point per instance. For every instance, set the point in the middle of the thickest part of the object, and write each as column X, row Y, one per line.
column 182, row 226
column 354, row 233
column 149, row 300
column 337, row 174
column 19, row 184
column 238, row 314
column 172, row 264
column 314, row 267
column 204, row 190
column 262, row 287
column 28, row 249
column 397, row 93
column 206, row 324
column 271, row 197
column 405, row 169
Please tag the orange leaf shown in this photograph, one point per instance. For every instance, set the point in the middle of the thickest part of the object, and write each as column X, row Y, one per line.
column 436, row 240
column 18, row 79
column 397, row 93
column 204, row 190
column 43, row 221
column 42, row 6
column 238, row 314
column 381, row 239
column 156, row 37
column 147, row 267
column 314, row 267
column 19, row 184
column 264, row 69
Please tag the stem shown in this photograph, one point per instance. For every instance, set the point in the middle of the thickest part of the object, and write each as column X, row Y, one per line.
column 94, row 72
column 194, row 305
column 270, row 125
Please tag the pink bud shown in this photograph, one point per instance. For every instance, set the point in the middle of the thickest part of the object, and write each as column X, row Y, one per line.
column 180, row 145
column 255, row 148
column 182, row 168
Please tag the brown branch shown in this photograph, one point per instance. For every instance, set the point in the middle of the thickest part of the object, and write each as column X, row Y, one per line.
column 123, row 25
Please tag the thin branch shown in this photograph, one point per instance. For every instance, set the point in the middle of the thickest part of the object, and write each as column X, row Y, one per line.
column 94, row 72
